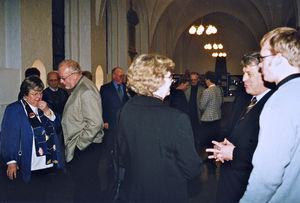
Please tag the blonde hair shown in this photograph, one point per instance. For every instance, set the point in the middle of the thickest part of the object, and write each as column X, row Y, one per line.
column 146, row 73
column 284, row 40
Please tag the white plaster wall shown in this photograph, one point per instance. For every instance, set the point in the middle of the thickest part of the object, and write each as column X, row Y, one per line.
column 10, row 52
column 9, row 88
column 12, row 34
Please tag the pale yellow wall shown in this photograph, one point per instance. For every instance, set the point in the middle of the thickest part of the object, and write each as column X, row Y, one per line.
column 98, row 38
column 36, row 33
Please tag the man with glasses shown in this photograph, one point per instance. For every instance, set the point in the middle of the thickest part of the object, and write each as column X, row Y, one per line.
column 276, row 160
column 83, row 131
column 193, row 94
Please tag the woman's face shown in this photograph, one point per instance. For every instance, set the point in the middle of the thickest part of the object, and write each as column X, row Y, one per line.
column 33, row 97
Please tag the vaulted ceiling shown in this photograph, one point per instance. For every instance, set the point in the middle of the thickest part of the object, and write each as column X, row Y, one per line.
column 240, row 23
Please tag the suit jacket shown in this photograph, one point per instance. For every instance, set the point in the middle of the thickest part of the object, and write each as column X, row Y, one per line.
column 111, row 103
column 234, row 174
column 157, row 145
column 15, row 122
column 82, row 118
column 210, row 104
column 187, row 93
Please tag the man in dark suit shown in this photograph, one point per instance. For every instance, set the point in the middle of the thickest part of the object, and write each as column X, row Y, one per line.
column 241, row 136
column 113, row 97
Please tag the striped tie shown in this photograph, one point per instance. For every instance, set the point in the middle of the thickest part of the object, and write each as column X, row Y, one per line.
column 249, row 107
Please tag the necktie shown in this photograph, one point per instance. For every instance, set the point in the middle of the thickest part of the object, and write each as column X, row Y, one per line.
column 250, row 106
column 120, row 92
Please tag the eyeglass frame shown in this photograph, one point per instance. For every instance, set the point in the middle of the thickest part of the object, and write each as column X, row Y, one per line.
column 36, row 94
column 262, row 58
column 64, row 79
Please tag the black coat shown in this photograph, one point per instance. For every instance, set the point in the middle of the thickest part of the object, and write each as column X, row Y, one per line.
column 157, row 147
column 243, row 134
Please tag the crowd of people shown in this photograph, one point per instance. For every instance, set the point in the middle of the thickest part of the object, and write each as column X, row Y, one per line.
column 155, row 134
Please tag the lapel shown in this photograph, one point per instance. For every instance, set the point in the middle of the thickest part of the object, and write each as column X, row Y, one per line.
column 187, row 93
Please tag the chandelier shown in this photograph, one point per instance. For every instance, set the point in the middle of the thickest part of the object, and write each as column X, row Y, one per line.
column 215, row 46
column 199, row 30
column 219, row 54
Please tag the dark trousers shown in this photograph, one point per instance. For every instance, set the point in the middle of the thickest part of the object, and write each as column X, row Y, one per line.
column 43, row 186
column 84, row 171
column 208, row 132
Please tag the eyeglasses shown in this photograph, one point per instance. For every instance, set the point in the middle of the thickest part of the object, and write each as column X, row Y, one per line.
column 262, row 58
column 36, row 94
column 61, row 78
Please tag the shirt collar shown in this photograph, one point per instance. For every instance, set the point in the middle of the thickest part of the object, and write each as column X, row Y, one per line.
column 76, row 84
column 116, row 85
column 53, row 90
column 34, row 108
column 258, row 97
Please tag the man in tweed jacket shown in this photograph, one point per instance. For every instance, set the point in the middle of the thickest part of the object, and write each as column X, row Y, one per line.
column 210, row 108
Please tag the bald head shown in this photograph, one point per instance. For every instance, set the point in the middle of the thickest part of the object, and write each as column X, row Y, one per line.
column 52, row 79
column 118, row 75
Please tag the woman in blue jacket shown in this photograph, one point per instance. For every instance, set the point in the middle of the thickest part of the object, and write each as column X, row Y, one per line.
column 29, row 143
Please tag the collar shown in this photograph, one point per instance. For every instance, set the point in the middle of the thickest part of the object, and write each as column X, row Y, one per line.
column 76, row 84
column 116, row 85
column 53, row 90
column 211, row 85
column 288, row 78
column 258, row 97
column 34, row 108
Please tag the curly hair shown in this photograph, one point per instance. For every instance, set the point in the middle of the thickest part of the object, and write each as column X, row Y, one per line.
column 146, row 73
column 284, row 40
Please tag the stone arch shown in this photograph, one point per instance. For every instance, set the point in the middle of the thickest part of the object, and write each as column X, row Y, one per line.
column 41, row 67
column 99, row 77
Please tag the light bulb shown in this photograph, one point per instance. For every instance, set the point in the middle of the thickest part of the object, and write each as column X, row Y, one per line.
column 192, row 30
column 215, row 46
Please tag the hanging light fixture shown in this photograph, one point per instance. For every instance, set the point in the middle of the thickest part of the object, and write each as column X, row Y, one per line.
column 219, row 54
column 199, row 30
column 215, row 46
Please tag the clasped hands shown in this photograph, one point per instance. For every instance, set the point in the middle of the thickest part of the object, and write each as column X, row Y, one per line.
column 222, row 151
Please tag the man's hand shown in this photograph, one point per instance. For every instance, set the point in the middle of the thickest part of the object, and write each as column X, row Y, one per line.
column 222, row 151
column 11, row 171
